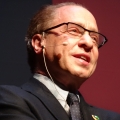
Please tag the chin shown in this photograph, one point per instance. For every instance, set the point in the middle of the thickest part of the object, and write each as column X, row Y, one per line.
column 82, row 76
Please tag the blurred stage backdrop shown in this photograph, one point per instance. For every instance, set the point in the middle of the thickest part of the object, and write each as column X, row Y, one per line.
column 103, row 88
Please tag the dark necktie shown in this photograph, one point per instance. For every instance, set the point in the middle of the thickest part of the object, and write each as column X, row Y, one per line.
column 74, row 107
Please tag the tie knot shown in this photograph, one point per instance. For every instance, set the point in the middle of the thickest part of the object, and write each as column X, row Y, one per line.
column 72, row 98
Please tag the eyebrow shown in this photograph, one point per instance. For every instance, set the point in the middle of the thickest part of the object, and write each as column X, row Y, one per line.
column 94, row 29
column 91, row 28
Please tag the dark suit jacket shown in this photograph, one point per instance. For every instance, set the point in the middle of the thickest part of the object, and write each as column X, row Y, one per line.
column 33, row 101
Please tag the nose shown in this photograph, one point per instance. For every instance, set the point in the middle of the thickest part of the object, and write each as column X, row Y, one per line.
column 86, row 42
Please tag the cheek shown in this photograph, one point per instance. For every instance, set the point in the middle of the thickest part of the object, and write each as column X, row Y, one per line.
column 66, row 60
column 65, row 52
column 59, row 53
column 95, row 60
column 97, row 55
column 61, row 56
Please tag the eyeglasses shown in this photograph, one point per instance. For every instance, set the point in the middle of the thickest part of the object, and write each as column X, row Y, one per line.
column 77, row 30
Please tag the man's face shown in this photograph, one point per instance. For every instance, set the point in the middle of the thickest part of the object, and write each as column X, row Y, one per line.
column 71, row 59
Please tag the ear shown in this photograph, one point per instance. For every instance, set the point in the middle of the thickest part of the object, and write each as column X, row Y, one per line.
column 36, row 43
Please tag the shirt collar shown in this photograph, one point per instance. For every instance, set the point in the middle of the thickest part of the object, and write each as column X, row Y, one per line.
column 60, row 94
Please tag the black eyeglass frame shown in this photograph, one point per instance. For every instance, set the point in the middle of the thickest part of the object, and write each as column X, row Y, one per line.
column 105, row 39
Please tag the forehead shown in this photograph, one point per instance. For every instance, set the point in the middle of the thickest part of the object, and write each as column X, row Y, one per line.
column 78, row 15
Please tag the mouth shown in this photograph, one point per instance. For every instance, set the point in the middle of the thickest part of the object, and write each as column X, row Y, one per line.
column 83, row 57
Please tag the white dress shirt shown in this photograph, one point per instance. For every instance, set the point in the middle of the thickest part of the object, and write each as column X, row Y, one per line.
column 60, row 94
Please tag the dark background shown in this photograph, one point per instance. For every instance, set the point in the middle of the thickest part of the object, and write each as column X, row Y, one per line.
column 103, row 88
column 14, row 20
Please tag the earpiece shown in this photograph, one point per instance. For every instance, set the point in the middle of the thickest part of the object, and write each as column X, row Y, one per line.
column 43, row 46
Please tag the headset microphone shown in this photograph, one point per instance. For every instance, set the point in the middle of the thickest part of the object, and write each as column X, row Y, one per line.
column 43, row 48
column 65, row 43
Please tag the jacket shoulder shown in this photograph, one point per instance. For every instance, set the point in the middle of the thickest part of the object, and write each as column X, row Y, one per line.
column 13, row 104
column 11, row 91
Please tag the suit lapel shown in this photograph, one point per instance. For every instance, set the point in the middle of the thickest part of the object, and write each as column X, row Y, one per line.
column 85, row 113
column 44, row 95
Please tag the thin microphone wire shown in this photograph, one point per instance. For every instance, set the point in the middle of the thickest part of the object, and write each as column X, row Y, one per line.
column 64, row 43
column 51, row 77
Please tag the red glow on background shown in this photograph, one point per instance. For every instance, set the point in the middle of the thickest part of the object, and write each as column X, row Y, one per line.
column 102, row 89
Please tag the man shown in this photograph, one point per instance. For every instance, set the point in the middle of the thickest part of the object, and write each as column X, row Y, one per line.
column 62, row 42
